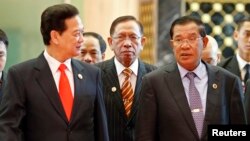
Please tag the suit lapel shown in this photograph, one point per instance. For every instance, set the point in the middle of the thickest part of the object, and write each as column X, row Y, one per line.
column 176, row 88
column 113, row 86
column 79, row 82
column 212, row 95
column 232, row 67
column 45, row 79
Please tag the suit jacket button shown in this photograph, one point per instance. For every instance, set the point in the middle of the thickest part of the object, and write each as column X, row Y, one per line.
column 68, row 130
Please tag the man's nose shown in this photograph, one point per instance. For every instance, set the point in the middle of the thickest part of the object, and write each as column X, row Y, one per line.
column 127, row 42
column 87, row 58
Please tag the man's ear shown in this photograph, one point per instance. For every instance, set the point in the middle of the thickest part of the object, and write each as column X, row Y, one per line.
column 205, row 41
column 235, row 35
column 110, row 42
column 143, row 40
column 171, row 43
column 54, row 37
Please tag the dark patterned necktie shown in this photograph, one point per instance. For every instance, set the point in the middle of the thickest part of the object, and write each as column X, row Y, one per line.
column 195, row 104
column 127, row 91
column 247, row 73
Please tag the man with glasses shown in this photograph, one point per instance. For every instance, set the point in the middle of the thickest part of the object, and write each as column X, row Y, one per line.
column 122, row 77
column 179, row 100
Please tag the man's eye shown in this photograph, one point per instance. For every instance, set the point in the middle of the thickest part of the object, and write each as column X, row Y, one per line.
column 192, row 38
column 121, row 37
column 133, row 37
column 178, row 40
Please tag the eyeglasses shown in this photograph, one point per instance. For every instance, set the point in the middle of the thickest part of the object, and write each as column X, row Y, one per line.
column 121, row 38
column 191, row 40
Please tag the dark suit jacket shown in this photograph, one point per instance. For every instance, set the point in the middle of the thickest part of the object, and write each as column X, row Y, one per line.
column 231, row 64
column 164, row 113
column 31, row 109
column 120, row 127
column 247, row 101
column 3, row 81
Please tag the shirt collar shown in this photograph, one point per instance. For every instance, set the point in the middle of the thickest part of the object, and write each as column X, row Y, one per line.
column 54, row 64
column 200, row 71
column 133, row 67
column 241, row 62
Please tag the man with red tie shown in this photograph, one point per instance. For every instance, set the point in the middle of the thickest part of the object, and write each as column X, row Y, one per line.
column 54, row 97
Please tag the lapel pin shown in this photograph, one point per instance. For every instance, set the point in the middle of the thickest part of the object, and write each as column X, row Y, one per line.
column 113, row 89
column 215, row 86
column 80, row 76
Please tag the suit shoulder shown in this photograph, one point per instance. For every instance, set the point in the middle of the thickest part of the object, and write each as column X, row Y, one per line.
column 85, row 65
column 24, row 65
column 103, row 64
column 149, row 67
column 225, row 62
column 156, row 73
column 224, row 71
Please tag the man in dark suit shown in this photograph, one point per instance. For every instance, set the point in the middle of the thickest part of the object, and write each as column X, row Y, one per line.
column 34, row 107
column 175, row 106
column 4, row 42
column 126, row 40
column 237, row 63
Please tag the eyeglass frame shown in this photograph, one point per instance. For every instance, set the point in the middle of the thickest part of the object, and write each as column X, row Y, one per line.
column 190, row 41
column 122, row 38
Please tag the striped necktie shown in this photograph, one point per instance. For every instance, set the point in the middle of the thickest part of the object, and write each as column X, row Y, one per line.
column 127, row 91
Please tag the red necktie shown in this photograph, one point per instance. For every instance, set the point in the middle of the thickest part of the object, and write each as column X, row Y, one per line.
column 65, row 92
column 127, row 91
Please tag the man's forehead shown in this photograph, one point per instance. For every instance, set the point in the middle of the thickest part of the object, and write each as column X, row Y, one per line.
column 191, row 29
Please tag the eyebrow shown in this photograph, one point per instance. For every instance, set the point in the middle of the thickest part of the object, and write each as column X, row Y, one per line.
column 192, row 34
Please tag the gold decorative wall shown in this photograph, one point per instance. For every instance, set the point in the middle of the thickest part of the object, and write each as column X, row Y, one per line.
column 219, row 17
column 148, row 19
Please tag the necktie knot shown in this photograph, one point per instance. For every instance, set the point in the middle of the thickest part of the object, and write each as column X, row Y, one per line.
column 62, row 67
column 127, row 72
column 191, row 75
column 247, row 66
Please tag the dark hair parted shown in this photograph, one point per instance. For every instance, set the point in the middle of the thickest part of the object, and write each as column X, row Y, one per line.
column 4, row 38
column 102, row 43
column 53, row 18
column 241, row 21
column 124, row 19
column 188, row 19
